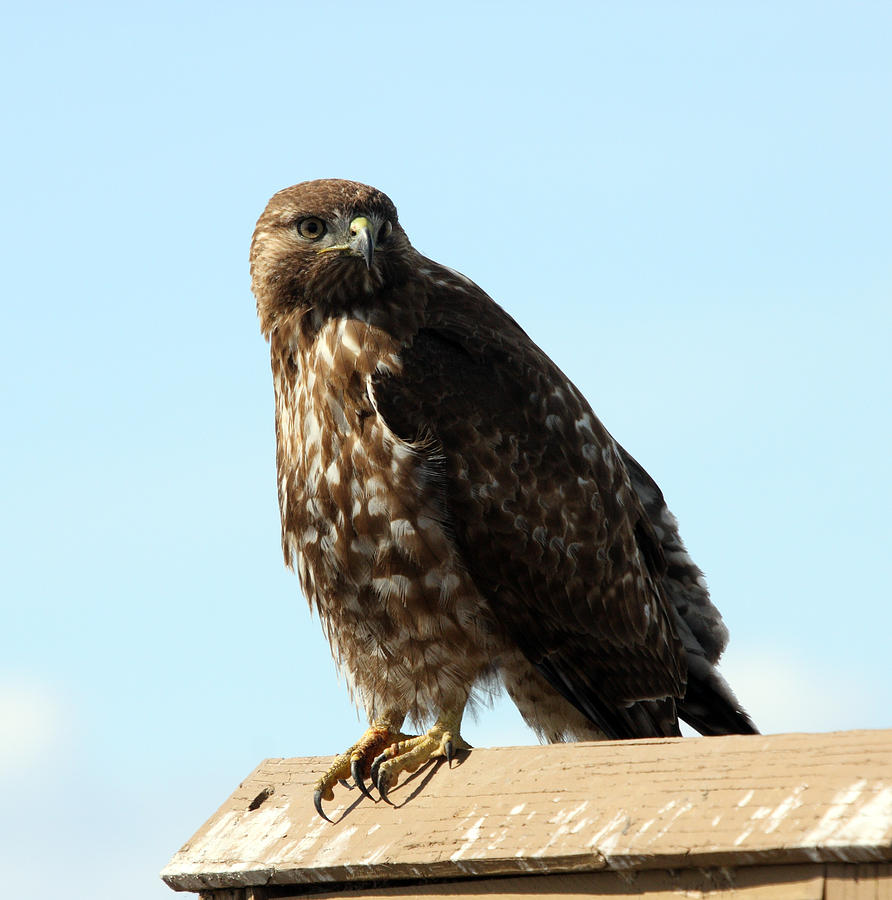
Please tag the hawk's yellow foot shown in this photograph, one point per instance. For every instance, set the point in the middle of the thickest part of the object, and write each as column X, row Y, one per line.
column 357, row 761
column 409, row 754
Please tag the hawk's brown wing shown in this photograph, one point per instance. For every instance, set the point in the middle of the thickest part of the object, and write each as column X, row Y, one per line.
column 538, row 499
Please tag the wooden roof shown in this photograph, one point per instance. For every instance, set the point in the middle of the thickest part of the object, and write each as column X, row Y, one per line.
column 794, row 801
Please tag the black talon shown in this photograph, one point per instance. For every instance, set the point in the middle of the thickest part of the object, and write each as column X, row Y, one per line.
column 376, row 765
column 345, row 783
column 317, row 802
column 356, row 772
column 449, row 750
column 383, row 787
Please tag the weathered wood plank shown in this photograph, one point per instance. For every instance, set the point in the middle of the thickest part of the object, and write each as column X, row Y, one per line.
column 630, row 805
column 858, row 882
column 753, row 883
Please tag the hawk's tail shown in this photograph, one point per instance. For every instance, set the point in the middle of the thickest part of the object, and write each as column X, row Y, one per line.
column 709, row 704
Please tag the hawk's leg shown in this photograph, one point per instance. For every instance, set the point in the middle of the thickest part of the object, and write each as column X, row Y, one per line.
column 357, row 761
column 409, row 754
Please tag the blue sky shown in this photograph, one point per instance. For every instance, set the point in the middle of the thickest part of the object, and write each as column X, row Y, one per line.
column 687, row 205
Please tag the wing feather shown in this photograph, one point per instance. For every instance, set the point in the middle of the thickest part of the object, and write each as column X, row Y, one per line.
column 539, row 501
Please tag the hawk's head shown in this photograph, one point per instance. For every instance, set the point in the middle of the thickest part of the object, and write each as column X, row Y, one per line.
column 325, row 245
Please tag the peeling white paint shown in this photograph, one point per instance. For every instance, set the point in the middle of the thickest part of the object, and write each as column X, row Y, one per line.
column 502, row 835
column 870, row 824
column 469, row 867
column 784, row 808
column 334, row 847
column 761, row 812
column 254, row 834
column 685, row 807
column 838, row 811
column 309, row 839
column 774, row 816
column 218, row 829
column 470, row 815
column 745, row 799
column 470, row 838
column 559, row 832
column 376, row 855
column 645, row 826
column 563, row 815
column 607, row 838
column 517, row 809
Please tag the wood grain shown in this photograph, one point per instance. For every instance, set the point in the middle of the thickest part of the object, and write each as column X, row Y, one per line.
column 625, row 806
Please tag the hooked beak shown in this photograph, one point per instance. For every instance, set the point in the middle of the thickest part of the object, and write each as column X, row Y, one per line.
column 362, row 239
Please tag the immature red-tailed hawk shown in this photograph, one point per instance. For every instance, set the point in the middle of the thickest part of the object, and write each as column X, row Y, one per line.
column 457, row 514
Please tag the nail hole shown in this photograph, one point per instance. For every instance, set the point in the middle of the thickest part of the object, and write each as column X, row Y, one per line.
column 262, row 797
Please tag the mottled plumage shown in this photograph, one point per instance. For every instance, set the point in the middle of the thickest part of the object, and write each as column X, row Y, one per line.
column 455, row 510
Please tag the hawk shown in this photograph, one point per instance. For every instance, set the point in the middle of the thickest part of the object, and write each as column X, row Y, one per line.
column 458, row 516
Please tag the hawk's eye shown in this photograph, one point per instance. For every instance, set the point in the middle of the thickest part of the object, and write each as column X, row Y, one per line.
column 384, row 231
column 311, row 228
